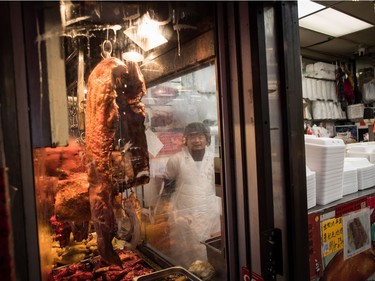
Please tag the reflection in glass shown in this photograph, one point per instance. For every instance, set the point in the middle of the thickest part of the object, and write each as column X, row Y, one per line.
column 181, row 196
column 89, row 34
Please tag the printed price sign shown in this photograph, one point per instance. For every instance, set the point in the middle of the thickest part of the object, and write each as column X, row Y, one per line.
column 332, row 236
column 357, row 232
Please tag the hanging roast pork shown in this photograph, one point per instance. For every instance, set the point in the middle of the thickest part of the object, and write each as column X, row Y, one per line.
column 114, row 117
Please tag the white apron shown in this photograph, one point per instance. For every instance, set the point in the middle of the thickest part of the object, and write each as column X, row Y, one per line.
column 195, row 206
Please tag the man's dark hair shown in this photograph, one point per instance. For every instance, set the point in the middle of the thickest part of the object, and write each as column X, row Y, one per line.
column 198, row 127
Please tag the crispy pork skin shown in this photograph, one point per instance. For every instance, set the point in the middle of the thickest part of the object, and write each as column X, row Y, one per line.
column 113, row 111
column 72, row 200
column 131, row 88
column 101, row 122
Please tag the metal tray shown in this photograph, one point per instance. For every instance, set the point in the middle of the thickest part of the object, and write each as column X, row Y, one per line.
column 215, row 256
column 164, row 273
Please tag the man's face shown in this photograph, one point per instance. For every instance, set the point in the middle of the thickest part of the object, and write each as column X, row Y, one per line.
column 196, row 141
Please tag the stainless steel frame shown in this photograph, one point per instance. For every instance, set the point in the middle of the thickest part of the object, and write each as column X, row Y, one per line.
column 265, row 186
column 17, row 142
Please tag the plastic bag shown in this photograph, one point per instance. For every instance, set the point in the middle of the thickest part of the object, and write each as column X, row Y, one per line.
column 368, row 92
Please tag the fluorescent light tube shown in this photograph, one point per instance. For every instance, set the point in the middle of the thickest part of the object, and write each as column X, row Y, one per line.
column 306, row 7
column 333, row 23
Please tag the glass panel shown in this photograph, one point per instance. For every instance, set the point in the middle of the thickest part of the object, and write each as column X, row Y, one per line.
column 184, row 209
column 139, row 167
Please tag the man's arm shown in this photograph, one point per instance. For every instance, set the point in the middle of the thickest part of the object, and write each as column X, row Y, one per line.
column 169, row 185
column 171, row 173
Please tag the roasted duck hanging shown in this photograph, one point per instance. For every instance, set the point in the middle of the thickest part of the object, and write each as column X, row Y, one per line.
column 113, row 110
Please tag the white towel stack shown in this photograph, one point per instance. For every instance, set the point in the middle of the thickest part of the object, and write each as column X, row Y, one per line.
column 325, row 156
column 366, row 171
column 311, row 188
column 350, row 178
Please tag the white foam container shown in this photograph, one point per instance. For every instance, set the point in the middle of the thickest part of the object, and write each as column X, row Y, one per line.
column 326, row 156
column 362, row 149
column 365, row 171
column 350, row 178
column 311, row 188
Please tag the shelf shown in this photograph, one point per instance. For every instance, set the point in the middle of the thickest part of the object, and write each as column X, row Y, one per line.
column 345, row 199
column 328, row 120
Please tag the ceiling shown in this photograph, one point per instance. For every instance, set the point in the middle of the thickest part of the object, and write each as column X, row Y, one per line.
column 315, row 46
column 324, row 47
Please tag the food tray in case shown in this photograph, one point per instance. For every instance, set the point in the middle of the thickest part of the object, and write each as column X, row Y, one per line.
column 161, row 275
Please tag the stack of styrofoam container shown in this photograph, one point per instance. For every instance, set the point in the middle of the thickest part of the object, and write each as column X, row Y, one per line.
column 362, row 149
column 311, row 188
column 350, row 178
column 365, row 171
column 324, row 70
column 326, row 156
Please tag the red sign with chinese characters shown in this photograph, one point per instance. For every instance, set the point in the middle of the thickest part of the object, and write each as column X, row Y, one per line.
column 315, row 257
column 349, row 207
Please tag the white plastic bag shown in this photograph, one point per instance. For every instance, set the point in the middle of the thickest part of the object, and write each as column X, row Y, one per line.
column 368, row 92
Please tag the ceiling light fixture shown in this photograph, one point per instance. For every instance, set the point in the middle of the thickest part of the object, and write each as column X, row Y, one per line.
column 133, row 53
column 327, row 20
column 146, row 34
column 307, row 7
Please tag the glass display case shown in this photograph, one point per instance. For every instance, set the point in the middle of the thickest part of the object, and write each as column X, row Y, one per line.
column 127, row 87
column 171, row 107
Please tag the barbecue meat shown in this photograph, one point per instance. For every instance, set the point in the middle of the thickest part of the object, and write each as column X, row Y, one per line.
column 131, row 88
column 113, row 103
column 96, row 269
column 62, row 162
column 101, row 122
column 72, row 200
column 62, row 231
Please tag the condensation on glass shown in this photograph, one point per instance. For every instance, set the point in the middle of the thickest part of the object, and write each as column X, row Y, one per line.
column 177, row 61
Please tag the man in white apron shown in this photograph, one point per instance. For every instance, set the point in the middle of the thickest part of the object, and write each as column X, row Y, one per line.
column 195, row 214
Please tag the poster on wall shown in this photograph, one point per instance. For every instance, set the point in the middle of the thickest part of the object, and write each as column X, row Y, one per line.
column 348, row 132
column 357, row 232
column 355, row 261
column 332, row 236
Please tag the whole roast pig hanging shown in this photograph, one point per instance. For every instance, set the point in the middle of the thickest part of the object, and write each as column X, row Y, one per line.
column 113, row 108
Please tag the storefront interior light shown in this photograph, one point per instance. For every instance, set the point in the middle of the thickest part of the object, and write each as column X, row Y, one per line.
column 327, row 20
column 146, row 33
column 307, row 7
column 132, row 53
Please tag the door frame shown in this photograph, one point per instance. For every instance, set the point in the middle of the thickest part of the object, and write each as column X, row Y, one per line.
column 249, row 191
